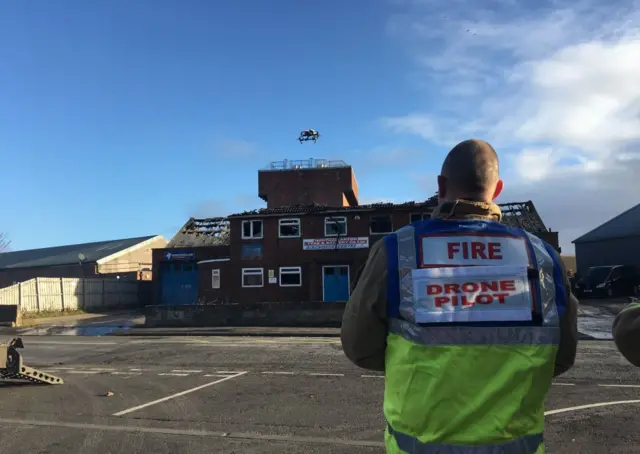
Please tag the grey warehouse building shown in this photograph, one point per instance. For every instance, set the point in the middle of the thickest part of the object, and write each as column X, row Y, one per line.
column 616, row 242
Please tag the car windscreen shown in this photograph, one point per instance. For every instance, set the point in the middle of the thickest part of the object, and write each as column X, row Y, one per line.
column 598, row 274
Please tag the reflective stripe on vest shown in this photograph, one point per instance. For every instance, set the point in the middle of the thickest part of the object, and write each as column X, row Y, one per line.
column 549, row 294
column 523, row 445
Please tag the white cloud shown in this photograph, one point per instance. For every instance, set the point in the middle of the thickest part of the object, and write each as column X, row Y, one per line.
column 553, row 87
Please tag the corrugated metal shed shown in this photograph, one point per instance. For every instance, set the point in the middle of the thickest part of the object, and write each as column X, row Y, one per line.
column 67, row 255
column 626, row 224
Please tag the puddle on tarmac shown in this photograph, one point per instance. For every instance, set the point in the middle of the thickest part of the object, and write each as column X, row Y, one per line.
column 73, row 330
column 595, row 323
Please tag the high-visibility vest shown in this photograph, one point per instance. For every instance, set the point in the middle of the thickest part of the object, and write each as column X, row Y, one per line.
column 473, row 309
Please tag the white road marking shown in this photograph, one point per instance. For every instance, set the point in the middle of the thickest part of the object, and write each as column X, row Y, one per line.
column 173, row 374
column 278, row 373
column 194, row 433
column 563, row 384
column 372, row 376
column 80, row 344
column 102, row 369
column 326, row 375
column 172, row 396
column 228, row 372
column 83, row 371
column 186, row 371
column 619, row 386
column 585, row 407
column 126, row 373
column 214, row 375
column 136, row 370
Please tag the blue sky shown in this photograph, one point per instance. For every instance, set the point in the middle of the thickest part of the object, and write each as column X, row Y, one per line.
column 121, row 119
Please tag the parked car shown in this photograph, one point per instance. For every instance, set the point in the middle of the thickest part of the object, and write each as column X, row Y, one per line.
column 609, row 281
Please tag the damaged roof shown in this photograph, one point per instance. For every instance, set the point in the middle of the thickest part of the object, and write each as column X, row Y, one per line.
column 67, row 255
column 515, row 214
column 202, row 232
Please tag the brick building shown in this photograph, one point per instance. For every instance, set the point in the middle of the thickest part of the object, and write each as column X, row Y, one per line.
column 308, row 244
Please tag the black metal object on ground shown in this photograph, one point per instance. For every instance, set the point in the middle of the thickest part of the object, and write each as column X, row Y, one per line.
column 11, row 367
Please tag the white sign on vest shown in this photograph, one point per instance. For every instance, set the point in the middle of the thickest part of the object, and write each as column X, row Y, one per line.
column 472, row 294
column 469, row 250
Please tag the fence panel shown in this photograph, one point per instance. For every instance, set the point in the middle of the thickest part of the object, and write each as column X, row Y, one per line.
column 57, row 294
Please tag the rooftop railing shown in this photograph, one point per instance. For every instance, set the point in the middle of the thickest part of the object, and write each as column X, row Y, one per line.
column 294, row 164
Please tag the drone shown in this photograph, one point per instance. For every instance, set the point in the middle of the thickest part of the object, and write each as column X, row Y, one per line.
column 309, row 134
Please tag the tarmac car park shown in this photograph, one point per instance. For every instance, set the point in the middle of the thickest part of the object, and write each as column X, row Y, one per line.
column 262, row 395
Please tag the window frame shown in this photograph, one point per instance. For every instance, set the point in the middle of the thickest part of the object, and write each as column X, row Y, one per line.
column 289, row 270
column 215, row 273
column 252, row 272
column 253, row 237
column 287, row 221
column 251, row 245
column 331, row 220
column 380, row 216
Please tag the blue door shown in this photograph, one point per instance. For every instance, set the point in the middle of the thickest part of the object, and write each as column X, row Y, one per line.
column 179, row 283
column 335, row 281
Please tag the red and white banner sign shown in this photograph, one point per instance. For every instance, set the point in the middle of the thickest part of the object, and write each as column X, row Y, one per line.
column 323, row 244
column 481, row 249
column 472, row 294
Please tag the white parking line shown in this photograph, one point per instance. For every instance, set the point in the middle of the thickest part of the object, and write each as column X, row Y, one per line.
column 326, row 375
column 79, row 344
column 563, row 384
column 619, row 386
column 372, row 376
column 173, row 374
column 584, row 407
column 83, row 372
column 126, row 373
column 172, row 396
column 278, row 373
column 186, row 371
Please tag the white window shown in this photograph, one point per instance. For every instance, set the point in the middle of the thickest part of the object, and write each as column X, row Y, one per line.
column 252, row 277
column 252, row 229
column 215, row 278
column 290, row 276
column 416, row 217
column 380, row 225
column 289, row 228
column 335, row 225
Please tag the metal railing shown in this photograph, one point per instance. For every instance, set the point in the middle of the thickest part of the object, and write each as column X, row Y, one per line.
column 311, row 163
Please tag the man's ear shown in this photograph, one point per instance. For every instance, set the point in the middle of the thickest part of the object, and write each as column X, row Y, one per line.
column 442, row 186
column 498, row 190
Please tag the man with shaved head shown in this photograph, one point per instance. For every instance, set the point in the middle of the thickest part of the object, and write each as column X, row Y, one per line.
column 469, row 319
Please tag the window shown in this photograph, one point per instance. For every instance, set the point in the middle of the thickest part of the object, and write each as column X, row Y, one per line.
column 252, row 229
column 416, row 217
column 334, row 226
column 380, row 225
column 252, row 277
column 252, row 251
column 215, row 278
column 289, row 228
column 291, row 276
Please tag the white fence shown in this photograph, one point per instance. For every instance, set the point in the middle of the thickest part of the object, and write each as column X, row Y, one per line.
column 62, row 294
